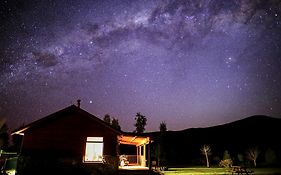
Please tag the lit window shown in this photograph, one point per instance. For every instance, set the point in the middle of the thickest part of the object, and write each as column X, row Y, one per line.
column 94, row 149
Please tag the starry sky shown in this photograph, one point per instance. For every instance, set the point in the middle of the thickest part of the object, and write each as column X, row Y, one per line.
column 188, row 63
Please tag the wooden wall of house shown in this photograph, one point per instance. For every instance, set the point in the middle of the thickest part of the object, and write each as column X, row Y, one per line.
column 66, row 136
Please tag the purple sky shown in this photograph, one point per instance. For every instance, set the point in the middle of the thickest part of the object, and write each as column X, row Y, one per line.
column 188, row 63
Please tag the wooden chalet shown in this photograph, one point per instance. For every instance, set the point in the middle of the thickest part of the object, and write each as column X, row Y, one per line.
column 76, row 135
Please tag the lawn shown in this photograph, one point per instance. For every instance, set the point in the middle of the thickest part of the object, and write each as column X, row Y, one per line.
column 189, row 171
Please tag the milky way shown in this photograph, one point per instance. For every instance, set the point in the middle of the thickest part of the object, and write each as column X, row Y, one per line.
column 188, row 63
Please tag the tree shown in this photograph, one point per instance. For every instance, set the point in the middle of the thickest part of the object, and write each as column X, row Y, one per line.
column 161, row 154
column 252, row 154
column 140, row 123
column 4, row 135
column 226, row 155
column 206, row 150
column 270, row 156
column 240, row 157
column 163, row 127
column 226, row 160
column 115, row 124
column 107, row 119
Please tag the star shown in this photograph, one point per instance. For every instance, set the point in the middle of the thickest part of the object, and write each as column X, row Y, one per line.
column 167, row 59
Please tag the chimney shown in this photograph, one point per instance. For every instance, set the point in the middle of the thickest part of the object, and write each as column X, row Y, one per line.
column 78, row 103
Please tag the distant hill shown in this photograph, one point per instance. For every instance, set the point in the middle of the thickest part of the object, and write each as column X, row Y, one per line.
column 183, row 147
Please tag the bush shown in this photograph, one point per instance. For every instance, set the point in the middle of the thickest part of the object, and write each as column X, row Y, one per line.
column 270, row 157
column 240, row 157
column 227, row 163
column 226, row 155
column 34, row 165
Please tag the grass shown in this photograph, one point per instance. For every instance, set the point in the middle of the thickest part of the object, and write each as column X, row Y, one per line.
column 189, row 171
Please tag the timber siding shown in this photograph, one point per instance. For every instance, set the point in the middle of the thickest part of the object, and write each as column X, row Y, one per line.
column 65, row 133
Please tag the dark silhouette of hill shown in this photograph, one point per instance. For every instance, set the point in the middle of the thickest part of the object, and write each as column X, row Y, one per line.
column 183, row 147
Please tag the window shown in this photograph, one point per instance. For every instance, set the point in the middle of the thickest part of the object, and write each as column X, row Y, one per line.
column 94, row 149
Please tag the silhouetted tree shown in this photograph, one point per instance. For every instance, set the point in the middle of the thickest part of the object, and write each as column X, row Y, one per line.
column 115, row 124
column 140, row 123
column 240, row 157
column 270, row 156
column 163, row 126
column 226, row 155
column 226, row 160
column 4, row 135
column 206, row 150
column 161, row 154
column 252, row 154
column 107, row 118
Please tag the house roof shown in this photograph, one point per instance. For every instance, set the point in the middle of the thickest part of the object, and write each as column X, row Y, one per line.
column 132, row 139
column 123, row 138
column 61, row 113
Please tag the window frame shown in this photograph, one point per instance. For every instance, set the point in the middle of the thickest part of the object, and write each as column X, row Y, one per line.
column 93, row 140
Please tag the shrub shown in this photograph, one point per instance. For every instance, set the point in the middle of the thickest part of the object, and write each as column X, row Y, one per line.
column 270, row 157
column 34, row 165
column 226, row 155
column 240, row 157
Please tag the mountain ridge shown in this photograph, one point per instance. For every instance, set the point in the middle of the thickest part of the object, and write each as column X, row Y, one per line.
column 236, row 137
column 253, row 118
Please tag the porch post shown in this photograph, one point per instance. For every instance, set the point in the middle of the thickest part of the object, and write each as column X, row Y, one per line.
column 137, row 154
column 148, row 156
column 144, row 155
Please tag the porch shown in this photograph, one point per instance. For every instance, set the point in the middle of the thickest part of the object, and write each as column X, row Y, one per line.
column 134, row 152
column 133, row 167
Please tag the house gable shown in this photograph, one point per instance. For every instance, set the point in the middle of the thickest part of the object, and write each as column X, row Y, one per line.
column 59, row 115
column 65, row 133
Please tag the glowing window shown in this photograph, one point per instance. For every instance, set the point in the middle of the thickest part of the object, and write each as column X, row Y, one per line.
column 94, row 149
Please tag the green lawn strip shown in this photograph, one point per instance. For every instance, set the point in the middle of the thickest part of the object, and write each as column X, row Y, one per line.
column 189, row 171
column 267, row 170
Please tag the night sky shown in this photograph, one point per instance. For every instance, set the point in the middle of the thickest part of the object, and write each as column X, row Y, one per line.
column 188, row 63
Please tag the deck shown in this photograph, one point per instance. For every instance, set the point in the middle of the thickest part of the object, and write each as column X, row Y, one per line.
column 136, row 170
column 135, row 167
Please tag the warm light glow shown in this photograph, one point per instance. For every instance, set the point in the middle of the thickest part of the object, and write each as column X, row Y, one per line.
column 95, row 139
column 133, row 140
column 11, row 172
column 94, row 149
column 20, row 132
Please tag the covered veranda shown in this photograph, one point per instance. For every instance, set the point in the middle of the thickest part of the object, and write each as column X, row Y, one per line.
column 136, row 152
